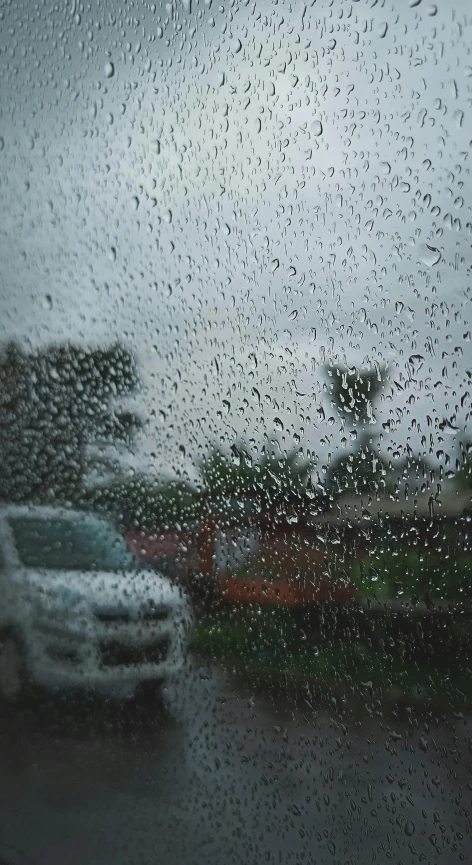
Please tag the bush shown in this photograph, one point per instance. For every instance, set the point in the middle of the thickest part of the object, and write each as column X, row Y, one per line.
column 413, row 573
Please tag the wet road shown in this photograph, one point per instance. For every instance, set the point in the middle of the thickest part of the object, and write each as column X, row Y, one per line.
column 230, row 777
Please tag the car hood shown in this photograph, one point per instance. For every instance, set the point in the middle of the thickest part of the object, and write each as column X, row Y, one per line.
column 104, row 591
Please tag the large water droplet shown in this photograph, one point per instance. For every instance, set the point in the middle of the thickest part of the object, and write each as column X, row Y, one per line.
column 316, row 128
column 429, row 255
column 448, row 427
column 109, row 69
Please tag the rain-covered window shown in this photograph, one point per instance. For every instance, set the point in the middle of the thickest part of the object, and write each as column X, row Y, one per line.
column 235, row 432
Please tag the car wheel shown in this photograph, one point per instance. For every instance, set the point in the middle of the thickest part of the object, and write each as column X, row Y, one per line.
column 12, row 668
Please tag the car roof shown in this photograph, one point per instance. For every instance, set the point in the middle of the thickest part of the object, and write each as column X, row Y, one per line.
column 46, row 512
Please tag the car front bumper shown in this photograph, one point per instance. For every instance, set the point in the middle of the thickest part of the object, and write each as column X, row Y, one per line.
column 113, row 661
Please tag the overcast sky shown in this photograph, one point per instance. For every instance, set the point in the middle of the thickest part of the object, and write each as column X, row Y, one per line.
column 243, row 193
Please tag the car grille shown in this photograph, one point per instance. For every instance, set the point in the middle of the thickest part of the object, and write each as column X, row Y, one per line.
column 106, row 616
column 147, row 614
column 118, row 654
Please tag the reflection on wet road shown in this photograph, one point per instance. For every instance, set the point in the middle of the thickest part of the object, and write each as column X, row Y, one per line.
column 229, row 776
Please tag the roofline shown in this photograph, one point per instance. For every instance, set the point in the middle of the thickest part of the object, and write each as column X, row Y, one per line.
column 7, row 509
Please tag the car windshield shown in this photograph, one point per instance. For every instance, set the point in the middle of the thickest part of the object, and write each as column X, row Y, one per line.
column 65, row 544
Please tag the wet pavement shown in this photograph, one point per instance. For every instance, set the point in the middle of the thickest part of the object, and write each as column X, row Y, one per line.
column 229, row 776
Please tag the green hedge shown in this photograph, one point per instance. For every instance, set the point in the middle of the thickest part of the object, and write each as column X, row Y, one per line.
column 411, row 573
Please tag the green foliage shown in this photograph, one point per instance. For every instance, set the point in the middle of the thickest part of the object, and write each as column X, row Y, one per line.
column 55, row 404
column 143, row 502
column 463, row 473
column 361, row 471
column 409, row 573
column 239, row 475
column 354, row 392
column 246, row 634
column 262, row 643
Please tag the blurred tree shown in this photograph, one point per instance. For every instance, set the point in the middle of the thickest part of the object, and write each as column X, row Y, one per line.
column 463, row 464
column 360, row 471
column 59, row 414
column 268, row 479
column 141, row 502
column 353, row 393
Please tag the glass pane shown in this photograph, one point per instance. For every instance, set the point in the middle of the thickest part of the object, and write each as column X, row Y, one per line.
column 235, row 432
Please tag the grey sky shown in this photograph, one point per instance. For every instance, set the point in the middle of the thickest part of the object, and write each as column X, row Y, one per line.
column 249, row 195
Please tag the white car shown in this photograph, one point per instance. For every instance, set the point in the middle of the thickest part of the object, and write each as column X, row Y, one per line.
column 78, row 610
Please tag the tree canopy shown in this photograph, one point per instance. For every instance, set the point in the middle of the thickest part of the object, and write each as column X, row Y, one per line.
column 143, row 502
column 267, row 479
column 60, row 406
column 354, row 393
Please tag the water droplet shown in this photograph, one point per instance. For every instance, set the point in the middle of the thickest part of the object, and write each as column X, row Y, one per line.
column 156, row 146
column 429, row 255
column 47, row 302
column 2, row 142
column 167, row 217
column 278, row 424
column 109, row 69
column 316, row 128
column 458, row 118
column 275, row 264
column 112, row 253
column 409, row 828
column 383, row 29
column 256, row 395
column 293, row 315
column 236, row 46
column 448, row 427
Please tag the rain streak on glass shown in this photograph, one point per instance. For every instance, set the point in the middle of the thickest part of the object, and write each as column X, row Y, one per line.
column 235, row 432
